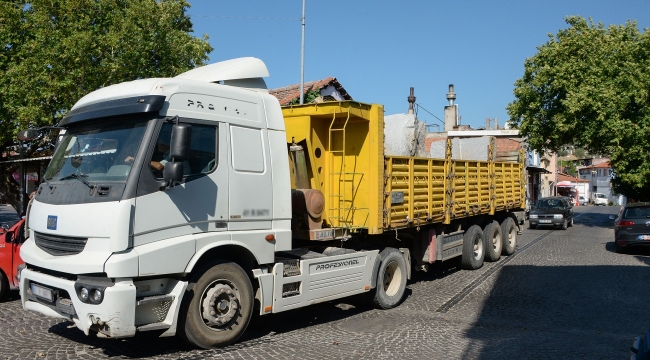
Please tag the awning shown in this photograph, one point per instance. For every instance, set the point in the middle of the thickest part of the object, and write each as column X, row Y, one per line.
column 25, row 160
column 565, row 184
column 535, row 169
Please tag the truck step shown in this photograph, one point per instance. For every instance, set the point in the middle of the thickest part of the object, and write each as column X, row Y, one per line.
column 155, row 298
column 291, row 266
column 153, row 326
column 291, row 289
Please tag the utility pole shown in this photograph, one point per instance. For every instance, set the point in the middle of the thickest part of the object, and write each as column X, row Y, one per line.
column 302, row 58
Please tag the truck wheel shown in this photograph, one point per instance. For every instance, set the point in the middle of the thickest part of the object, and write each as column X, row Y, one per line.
column 391, row 279
column 509, row 233
column 217, row 306
column 4, row 285
column 493, row 241
column 473, row 248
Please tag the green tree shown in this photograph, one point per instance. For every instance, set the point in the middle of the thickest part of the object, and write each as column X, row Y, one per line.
column 589, row 85
column 55, row 51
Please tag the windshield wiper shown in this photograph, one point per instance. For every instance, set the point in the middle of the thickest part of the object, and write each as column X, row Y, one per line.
column 47, row 182
column 80, row 177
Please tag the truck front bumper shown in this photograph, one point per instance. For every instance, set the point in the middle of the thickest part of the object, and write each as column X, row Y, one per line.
column 113, row 317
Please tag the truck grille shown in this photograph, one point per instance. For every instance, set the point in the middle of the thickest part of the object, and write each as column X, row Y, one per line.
column 59, row 245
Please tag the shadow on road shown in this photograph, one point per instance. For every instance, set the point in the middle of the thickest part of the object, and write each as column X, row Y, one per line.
column 561, row 312
column 260, row 332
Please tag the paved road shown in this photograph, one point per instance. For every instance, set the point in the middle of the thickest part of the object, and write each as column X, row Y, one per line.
column 563, row 295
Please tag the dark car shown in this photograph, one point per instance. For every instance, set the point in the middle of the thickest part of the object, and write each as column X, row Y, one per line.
column 632, row 226
column 551, row 211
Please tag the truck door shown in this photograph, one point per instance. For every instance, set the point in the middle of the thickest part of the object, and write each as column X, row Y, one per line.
column 200, row 202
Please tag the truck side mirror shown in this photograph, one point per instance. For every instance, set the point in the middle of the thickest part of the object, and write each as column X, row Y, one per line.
column 173, row 171
column 9, row 237
column 28, row 134
column 179, row 147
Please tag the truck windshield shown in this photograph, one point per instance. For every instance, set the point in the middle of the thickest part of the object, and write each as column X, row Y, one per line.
column 103, row 152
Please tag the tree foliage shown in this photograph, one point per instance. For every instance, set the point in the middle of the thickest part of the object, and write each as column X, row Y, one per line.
column 56, row 51
column 589, row 85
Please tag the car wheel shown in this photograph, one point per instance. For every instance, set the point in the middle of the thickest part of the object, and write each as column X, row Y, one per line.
column 564, row 225
column 571, row 222
column 531, row 226
column 4, row 285
column 618, row 248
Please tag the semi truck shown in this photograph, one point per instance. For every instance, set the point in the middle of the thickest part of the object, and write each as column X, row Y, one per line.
column 185, row 205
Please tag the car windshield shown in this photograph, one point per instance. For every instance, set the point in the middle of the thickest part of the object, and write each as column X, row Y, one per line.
column 601, row 196
column 103, row 152
column 550, row 204
column 637, row 213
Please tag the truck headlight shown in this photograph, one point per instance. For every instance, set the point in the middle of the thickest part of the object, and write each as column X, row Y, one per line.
column 83, row 294
column 558, row 216
column 97, row 296
column 533, row 216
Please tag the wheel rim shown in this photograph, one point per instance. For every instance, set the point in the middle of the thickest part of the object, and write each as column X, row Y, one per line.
column 478, row 247
column 496, row 242
column 392, row 278
column 220, row 304
column 512, row 238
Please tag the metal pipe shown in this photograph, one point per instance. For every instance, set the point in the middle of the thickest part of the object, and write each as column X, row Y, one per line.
column 302, row 58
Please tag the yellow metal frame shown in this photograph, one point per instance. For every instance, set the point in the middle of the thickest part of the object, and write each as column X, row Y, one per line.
column 366, row 190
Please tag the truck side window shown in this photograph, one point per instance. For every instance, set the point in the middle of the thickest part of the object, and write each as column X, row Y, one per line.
column 202, row 151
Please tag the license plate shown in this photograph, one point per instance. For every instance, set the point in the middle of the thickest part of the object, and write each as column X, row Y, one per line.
column 42, row 292
column 644, row 237
column 545, row 221
column 325, row 234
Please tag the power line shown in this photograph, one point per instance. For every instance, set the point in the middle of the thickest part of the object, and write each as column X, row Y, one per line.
column 243, row 17
column 420, row 107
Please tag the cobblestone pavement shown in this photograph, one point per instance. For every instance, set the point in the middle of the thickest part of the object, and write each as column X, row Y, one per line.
column 563, row 295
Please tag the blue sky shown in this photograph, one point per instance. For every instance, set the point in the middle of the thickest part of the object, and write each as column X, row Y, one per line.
column 379, row 49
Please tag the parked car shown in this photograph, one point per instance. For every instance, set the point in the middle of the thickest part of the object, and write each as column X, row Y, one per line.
column 551, row 211
column 632, row 226
column 12, row 237
column 583, row 201
column 599, row 199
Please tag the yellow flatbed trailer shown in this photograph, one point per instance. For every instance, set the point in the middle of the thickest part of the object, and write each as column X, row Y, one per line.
column 367, row 191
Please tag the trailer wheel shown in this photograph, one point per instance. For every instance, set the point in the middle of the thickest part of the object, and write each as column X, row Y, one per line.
column 509, row 233
column 473, row 248
column 217, row 306
column 493, row 241
column 391, row 279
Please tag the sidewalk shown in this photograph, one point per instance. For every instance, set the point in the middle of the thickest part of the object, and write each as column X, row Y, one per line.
column 8, row 214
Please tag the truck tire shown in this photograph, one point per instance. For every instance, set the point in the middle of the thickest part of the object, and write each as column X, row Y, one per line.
column 473, row 248
column 493, row 241
column 509, row 233
column 391, row 279
column 217, row 306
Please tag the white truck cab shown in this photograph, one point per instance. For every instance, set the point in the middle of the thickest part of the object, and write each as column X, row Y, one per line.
column 167, row 206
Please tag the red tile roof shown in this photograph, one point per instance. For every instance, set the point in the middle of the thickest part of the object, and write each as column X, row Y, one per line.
column 292, row 92
column 565, row 177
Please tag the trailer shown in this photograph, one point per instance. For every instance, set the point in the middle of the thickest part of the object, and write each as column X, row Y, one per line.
column 185, row 205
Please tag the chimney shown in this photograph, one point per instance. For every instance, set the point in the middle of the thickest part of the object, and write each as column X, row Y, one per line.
column 487, row 123
column 411, row 100
column 451, row 110
column 496, row 124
